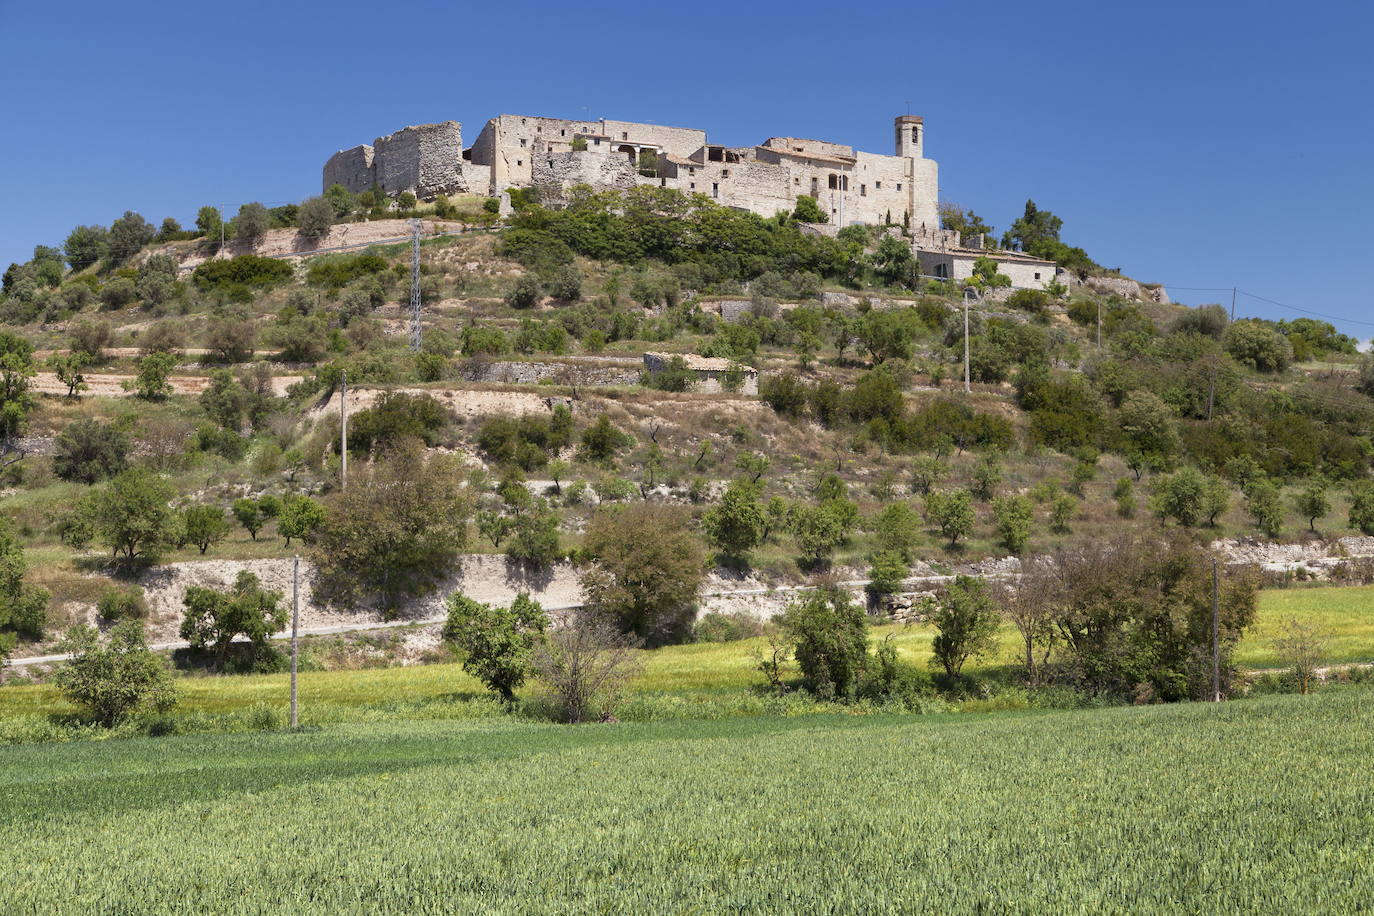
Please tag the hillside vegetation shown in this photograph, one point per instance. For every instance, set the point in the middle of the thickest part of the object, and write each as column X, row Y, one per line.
column 153, row 411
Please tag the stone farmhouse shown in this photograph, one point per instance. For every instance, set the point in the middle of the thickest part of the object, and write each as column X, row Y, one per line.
column 555, row 154
column 708, row 371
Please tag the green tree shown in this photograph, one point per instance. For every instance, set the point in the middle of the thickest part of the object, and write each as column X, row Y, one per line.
column 926, row 472
column 534, row 536
column 735, row 525
column 1258, row 345
column 819, row 530
column 987, row 474
column 496, row 644
column 1312, row 504
column 128, row 235
column 130, row 515
column 966, row 620
column 299, row 518
column 602, row 440
column 525, row 293
column 89, row 451
column 252, row 222
column 395, row 532
column 808, row 211
column 1034, row 228
column 1014, row 515
column 249, row 514
column 645, row 569
column 1263, row 502
column 23, row 608
column 1189, row 497
column 209, row 223
column 115, row 679
column 894, row 262
column 897, row 529
column 16, row 375
column 70, row 371
column 951, row 511
column 829, row 637
column 1362, row 506
column 214, row 618
column 315, row 218
column 1149, row 439
column 86, row 245
column 887, row 570
column 204, row 525
column 151, row 381
column 1062, row 510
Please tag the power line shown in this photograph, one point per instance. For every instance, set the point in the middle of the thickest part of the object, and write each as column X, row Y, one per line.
column 1284, row 305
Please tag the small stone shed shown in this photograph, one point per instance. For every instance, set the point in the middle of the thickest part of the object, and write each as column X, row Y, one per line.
column 709, row 370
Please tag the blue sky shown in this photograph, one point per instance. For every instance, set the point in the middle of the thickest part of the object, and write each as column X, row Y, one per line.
column 1201, row 144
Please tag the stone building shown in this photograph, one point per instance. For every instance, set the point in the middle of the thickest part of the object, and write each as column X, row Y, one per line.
column 709, row 371
column 556, row 154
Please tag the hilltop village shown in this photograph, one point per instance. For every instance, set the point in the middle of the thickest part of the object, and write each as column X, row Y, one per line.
column 555, row 154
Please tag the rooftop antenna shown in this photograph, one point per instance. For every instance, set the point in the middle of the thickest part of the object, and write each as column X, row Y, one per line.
column 415, row 285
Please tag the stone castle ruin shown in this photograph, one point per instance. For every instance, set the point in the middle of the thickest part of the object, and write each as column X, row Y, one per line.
column 554, row 154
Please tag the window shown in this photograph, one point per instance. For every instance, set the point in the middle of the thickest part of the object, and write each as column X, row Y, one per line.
column 539, row 128
column 624, row 135
column 715, row 189
column 942, row 271
column 550, row 163
column 562, row 133
column 724, row 173
column 693, row 186
column 522, row 120
column 597, row 141
column 878, row 185
column 1037, row 275
column 519, row 162
column 663, row 182
column 522, row 141
column 798, row 149
column 863, row 190
column 796, row 181
column 691, row 171
column 815, row 185
column 899, row 186
column 915, row 135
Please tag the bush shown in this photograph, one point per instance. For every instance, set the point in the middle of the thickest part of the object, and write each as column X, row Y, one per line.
column 245, row 270
column 526, row 292
column 829, row 637
column 719, row 626
column 204, row 525
column 395, row 416
column 808, row 211
column 213, row 618
column 951, row 511
column 122, row 603
column 1189, row 497
column 602, row 440
column 1258, row 345
column 586, row 666
column 89, row 451
column 299, row 517
column 337, row 271
column 23, row 608
column 735, row 526
column 117, row 678
column 784, row 392
column 315, row 218
column 496, row 644
column 1362, row 506
column 252, row 222
column 1014, row 516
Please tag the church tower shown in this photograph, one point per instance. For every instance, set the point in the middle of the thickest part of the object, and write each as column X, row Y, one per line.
column 910, row 136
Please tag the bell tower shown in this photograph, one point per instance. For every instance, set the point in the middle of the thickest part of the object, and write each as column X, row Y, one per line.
column 911, row 131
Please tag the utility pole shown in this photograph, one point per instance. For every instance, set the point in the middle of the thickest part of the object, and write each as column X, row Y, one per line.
column 1099, row 325
column 295, row 630
column 1233, row 303
column 1216, row 642
column 343, row 430
column 967, row 387
column 415, row 285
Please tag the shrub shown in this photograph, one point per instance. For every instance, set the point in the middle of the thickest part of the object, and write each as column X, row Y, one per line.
column 586, row 666
column 735, row 526
column 91, row 338
column 601, row 441
column 117, row 678
column 1312, row 504
column 1362, row 506
column 395, row 416
column 252, row 222
column 150, row 383
column 733, row 626
column 337, row 271
column 534, row 536
column 204, row 525
column 122, row 603
column 89, row 451
column 245, row 270
column 23, row 608
column 526, row 292
column 496, row 644
column 298, row 518
column 673, row 377
column 118, row 293
column 1190, row 497
column 829, row 637
column 897, row 529
column 784, row 392
column 1258, row 346
column 887, row 571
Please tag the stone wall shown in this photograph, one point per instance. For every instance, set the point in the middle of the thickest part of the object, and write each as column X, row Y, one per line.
column 426, row 159
column 679, row 141
column 561, row 170
column 352, row 168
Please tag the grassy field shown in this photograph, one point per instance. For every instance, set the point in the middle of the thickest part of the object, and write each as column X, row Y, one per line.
column 705, row 679
column 1244, row 807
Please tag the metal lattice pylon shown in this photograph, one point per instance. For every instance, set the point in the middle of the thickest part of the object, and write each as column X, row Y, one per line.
column 415, row 285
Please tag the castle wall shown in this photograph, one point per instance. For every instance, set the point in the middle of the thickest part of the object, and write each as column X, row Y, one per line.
column 562, row 170
column 426, row 159
column 352, row 168
column 679, row 141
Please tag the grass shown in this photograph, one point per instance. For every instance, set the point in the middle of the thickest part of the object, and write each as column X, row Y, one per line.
column 1244, row 807
column 702, row 680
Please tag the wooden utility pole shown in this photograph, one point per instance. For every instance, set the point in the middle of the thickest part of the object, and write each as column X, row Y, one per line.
column 295, row 630
column 1233, row 303
column 1099, row 325
column 1216, row 636
column 967, row 387
column 343, row 429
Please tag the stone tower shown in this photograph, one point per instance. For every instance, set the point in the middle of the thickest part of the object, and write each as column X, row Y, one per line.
column 910, row 136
